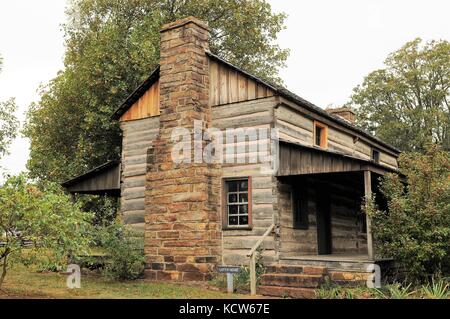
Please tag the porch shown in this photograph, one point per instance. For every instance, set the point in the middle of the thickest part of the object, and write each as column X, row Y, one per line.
column 320, row 197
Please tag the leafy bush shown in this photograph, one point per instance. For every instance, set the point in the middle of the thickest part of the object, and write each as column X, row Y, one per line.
column 416, row 229
column 124, row 258
column 39, row 223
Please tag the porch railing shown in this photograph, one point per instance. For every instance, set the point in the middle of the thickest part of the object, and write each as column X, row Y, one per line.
column 252, row 255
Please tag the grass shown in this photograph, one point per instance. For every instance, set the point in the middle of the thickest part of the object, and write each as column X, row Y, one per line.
column 24, row 282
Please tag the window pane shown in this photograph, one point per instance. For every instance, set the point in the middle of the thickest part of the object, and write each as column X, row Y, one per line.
column 243, row 198
column 237, row 202
column 232, row 186
column 232, row 209
column 243, row 220
column 233, row 220
column 243, row 209
column 318, row 135
column 232, row 198
column 243, row 186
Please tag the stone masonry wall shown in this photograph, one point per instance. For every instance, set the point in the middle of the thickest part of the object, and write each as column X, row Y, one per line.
column 182, row 220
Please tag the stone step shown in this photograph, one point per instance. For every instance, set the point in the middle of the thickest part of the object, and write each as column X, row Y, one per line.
column 357, row 266
column 293, row 269
column 283, row 292
column 292, row 280
column 345, row 278
column 284, row 269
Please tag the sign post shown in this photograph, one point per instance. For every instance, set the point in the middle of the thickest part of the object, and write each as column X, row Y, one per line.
column 229, row 270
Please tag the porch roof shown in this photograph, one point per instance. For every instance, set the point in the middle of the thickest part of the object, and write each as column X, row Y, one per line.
column 298, row 159
column 101, row 180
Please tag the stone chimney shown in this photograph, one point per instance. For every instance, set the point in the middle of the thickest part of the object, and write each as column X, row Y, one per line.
column 183, row 232
column 345, row 112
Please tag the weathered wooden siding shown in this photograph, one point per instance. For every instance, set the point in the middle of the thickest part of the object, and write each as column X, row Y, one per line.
column 230, row 86
column 295, row 242
column 298, row 160
column 347, row 236
column 146, row 106
column 295, row 127
column 137, row 137
column 237, row 243
column 103, row 180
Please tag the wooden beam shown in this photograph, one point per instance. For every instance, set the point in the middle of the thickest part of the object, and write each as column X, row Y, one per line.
column 368, row 195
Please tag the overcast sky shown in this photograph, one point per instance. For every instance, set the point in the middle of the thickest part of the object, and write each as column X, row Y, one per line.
column 334, row 44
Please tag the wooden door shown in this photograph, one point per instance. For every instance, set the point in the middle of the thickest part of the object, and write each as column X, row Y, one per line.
column 324, row 243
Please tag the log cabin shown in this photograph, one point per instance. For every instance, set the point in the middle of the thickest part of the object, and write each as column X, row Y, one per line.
column 304, row 218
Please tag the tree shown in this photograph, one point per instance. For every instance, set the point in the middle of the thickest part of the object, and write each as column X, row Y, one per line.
column 407, row 103
column 8, row 122
column 42, row 216
column 415, row 230
column 112, row 45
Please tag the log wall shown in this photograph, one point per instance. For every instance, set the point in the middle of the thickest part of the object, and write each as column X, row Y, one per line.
column 295, row 242
column 298, row 128
column 137, row 137
column 237, row 243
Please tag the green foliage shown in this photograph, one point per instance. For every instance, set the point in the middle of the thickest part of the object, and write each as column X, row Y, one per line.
column 242, row 279
column 394, row 291
column 124, row 251
column 416, row 230
column 112, row 45
column 8, row 122
column 398, row 291
column 104, row 208
column 340, row 292
column 42, row 216
column 8, row 125
column 437, row 289
column 406, row 103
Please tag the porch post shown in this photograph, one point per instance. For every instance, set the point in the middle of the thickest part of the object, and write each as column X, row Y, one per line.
column 368, row 195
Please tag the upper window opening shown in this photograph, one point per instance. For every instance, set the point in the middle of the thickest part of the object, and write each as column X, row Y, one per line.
column 375, row 155
column 320, row 134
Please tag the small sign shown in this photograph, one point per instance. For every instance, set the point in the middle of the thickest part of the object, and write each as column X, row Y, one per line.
column 229, row 269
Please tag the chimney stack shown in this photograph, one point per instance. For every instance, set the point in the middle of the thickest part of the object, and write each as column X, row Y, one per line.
column 182, row 219
column 345, row 112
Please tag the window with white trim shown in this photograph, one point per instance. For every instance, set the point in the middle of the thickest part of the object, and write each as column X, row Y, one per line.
column 237, row 202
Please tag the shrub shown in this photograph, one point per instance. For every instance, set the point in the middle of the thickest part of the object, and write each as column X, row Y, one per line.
column 415, row 231
column 39, row 223
column 124, row 258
